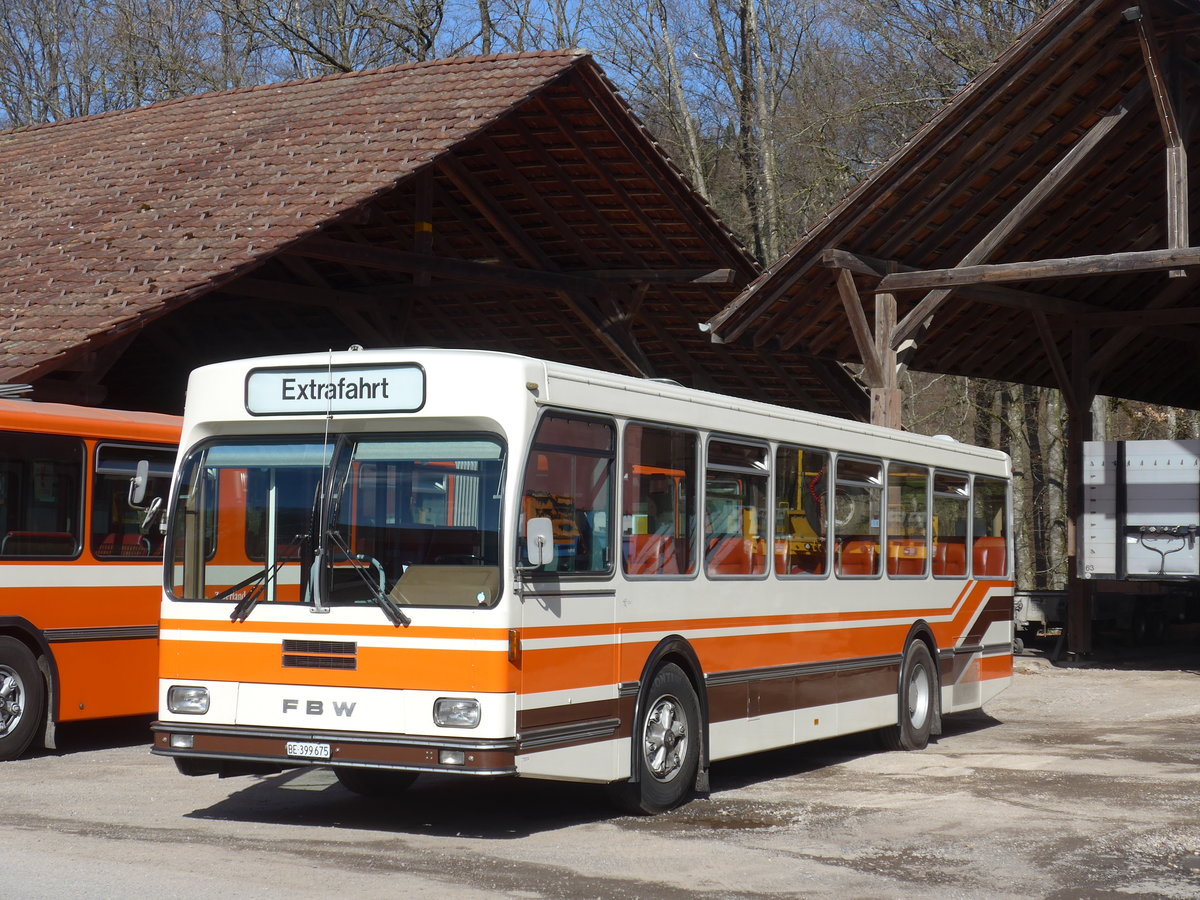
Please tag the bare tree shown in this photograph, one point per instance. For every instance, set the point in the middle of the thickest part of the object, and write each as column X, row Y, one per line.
column 312, row 37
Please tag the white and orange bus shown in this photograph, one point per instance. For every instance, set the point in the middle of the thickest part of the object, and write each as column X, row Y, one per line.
column 395, row 562
column 80, row 566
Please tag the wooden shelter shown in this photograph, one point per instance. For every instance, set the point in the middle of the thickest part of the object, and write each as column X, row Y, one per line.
column 506, row 202
column 1038, row 229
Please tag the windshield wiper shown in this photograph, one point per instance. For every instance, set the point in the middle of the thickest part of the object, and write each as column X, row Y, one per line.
column 395, row 615
column 259, row 580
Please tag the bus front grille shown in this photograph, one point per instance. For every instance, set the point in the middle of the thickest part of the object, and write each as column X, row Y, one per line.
column 320, row 654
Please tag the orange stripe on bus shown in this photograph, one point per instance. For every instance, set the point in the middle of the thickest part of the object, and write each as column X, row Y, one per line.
column 377, row 667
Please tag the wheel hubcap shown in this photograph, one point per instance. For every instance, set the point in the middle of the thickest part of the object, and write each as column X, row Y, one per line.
column 12, row 697
column 665, row 738
column 919, row 697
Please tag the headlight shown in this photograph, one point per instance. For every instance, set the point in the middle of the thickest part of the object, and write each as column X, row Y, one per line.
column 453, row 712
column 187, row 700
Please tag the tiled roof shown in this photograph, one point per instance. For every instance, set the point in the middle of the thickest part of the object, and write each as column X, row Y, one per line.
column 106, row 218
column 280, row 219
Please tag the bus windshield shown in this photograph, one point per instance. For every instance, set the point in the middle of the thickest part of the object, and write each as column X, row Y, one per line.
column 414, row 519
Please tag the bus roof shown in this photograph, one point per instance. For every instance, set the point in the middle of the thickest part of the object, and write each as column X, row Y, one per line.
column 86, row 421
column 564, row 385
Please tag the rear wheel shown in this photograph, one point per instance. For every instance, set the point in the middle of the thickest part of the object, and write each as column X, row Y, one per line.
column 667, row 739
column 374, row 782
column 918, row 700
column 22, row 698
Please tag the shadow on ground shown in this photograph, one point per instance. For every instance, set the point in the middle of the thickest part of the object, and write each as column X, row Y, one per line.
column 1179, row 652
column 505, row 808
column 102, row 734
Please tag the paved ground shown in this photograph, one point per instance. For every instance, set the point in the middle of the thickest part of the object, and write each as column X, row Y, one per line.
column 1077, row 782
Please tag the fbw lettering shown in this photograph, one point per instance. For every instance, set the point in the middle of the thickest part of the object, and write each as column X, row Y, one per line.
column 317, row 707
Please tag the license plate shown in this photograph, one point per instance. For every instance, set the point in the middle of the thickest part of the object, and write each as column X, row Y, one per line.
column 308, row 750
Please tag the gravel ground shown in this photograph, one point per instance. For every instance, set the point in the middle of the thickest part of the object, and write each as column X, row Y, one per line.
column 1079, row 781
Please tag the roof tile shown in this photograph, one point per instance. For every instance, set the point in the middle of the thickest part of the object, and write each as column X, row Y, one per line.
column 186, row 191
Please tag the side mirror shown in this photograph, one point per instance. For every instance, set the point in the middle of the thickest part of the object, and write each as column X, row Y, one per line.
column 151, row 513
column 539, row 542
column 137, row 484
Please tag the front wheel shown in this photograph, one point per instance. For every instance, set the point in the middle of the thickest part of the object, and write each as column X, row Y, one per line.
column 22, row 698
column 918, row 700
column 667, row 739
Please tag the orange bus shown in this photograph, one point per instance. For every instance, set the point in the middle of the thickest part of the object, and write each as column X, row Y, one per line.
column 80, row 565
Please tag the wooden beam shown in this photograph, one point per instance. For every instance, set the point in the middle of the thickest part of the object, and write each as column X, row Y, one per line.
column 1057, row 365
column 990, row 294
column 1071, row 267
column 1018, row 214
column 886, row 397
column 1108, row 354
column 306, row 294
column 1178, row 233
column 891, row 221
column 1142, row 319
column 750, row 306
column 391, row 260
column 423, row 221
column 863, row 338
column 835, row 377
column 605, row 321
column 349, row 315
column 662, row 276
column 1000, row 158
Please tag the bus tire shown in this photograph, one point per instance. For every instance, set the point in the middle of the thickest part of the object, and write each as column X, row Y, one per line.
column 917, row 700
column 667, row 746
column 22, row 698
column 374, row 782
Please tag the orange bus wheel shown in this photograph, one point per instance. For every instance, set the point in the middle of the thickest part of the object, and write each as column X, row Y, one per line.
column 22, row 698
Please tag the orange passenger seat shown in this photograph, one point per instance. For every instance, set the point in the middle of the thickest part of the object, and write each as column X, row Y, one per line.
column 859, row 558
column 950, row 557
column 990, row 556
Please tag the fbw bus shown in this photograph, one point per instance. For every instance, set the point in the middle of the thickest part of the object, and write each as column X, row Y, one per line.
column 80, row 565
column 394, row 562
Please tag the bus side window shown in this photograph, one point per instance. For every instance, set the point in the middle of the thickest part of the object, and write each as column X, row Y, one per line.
column 735, row 507
column 907, row 520
column 801, row 511
column 116, row 527
column 989, row 556
column 950, row 518
column 658, row 521
column 41, row 493
column 856, row 513
column 568, row 480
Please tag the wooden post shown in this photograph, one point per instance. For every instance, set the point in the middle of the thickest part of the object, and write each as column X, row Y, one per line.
column 1079, row 429
column 886, row 397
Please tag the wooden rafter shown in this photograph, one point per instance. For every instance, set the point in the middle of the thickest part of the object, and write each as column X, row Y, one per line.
column 929, row 145
column 595, row 309
column 1070, row 267
column 392, row 260
column 1063, row 170
column 470, row 222
column 1178, row 232
column 1057, row 365
column 856, row 315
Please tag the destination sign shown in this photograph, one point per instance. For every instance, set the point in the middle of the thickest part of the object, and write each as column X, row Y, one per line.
column 340, row 389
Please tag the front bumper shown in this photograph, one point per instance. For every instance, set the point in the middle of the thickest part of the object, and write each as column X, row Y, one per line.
column 361, row 749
